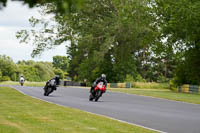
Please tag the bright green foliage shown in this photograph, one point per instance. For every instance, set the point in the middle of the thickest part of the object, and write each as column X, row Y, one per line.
column 61, row 62
column 59, row 72
column 139, row 78
column 7, row 68
column 149, row 38
column 179, row 22
column 32, row 71
column 36, row 71
column 129, row 78
column 104, row 37
column 180, row 19
column 109, row 36
column 61, row 66
column 5, row 78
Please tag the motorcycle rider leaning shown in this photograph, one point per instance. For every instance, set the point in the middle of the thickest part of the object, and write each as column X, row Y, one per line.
column 21, row 79
column 54, row 82
column 100, row 79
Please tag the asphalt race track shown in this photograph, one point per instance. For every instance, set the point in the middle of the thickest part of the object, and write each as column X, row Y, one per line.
column 159, row 114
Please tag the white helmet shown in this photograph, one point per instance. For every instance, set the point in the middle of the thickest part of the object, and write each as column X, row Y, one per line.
column 103, row 76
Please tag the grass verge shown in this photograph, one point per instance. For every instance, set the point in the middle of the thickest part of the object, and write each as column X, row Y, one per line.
column 23, row 114
column 150, row 85
column 27, row 83
column 161, row 93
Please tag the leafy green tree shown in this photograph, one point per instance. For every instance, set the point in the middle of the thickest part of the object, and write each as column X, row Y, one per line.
column 0, row 75
column 59, row 72
column 49, row 70
column 30, row 73
column 43, row 74
column 129, row 78
column 7, row 67
column 36, row 71
column 178, row 21
column 187, row 71
column 104, row 36
column 61, row 62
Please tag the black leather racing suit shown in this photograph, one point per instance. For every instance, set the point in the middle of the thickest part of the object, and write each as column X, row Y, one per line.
column 53, row 85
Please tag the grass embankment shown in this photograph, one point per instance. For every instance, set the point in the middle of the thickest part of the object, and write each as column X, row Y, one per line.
column 159, row 91
column 23, row 114
column 26, row 83
column 150, row 85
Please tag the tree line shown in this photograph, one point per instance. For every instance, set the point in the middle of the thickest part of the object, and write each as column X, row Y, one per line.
column 31, row 70
column 152, row 40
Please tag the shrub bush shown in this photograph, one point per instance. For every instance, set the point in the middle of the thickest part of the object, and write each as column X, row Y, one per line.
column 5, row 78
column 0, row 75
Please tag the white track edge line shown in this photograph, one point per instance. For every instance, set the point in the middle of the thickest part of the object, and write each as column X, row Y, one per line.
column 93, row 113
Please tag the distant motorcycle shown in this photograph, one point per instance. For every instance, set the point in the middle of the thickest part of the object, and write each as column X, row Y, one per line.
column 21, row 82
column 49, row 87
column 98, row 91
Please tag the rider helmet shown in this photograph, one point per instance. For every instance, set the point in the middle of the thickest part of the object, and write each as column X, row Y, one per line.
column 103, row 76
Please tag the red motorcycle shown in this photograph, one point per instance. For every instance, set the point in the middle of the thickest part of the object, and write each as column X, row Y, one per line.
column 98, row 91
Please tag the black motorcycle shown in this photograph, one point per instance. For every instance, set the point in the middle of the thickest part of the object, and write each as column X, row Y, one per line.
column 49, row 87
column 21, row 82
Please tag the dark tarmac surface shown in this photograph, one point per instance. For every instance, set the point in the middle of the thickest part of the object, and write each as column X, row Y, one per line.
column 159, row 114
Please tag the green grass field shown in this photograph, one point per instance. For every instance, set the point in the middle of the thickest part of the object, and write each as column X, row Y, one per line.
column 27, row 83
column 161, row 93
column 23, row 114
column 158, row 90
column 150, row 85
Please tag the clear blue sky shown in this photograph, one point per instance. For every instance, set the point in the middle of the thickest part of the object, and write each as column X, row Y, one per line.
column 14, row 18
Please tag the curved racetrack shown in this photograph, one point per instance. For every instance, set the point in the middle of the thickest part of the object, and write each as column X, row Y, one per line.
column 158, row 114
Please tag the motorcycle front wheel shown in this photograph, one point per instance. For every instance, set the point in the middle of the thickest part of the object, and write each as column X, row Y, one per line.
column 98, row 95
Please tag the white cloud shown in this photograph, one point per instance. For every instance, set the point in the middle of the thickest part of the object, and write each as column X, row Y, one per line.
column 14, row 18
column 16, row 14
